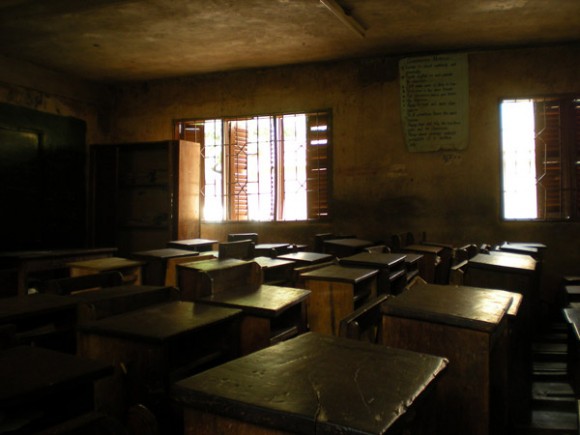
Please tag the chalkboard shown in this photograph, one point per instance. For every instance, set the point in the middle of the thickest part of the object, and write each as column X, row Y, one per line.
column 42, row 179
column 434, row 102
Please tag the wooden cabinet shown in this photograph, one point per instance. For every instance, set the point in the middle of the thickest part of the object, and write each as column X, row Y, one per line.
column 144, row 194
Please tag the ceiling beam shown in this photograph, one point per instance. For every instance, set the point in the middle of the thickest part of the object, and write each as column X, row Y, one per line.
column 344, row 17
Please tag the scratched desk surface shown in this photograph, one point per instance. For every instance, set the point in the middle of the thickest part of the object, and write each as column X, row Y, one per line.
column 266, row 301
column 315, row 383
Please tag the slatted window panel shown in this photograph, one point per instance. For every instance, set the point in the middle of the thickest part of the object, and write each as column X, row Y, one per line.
column 237, row 156
column 318, row 165
column 557, row 128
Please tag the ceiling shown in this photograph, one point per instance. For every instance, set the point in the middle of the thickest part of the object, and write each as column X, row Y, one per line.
column 127, row 40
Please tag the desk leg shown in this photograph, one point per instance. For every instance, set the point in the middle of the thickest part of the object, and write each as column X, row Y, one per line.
column 255, row 334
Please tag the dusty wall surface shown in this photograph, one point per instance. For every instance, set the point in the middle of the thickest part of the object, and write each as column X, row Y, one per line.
column 26, row 85
column 379, row 188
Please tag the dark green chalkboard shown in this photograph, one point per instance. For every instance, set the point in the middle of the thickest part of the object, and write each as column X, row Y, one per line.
column 42, row 180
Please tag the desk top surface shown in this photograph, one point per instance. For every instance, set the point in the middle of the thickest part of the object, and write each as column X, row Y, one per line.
column 214, row 264
column 161, row 322
column 20, row 307
column 412, row 258
column 265, row 301
column 271, row 245
column 424, row 249
column 516, row 298
column 31, row 372
column 192, row 242
column 272, row 263
column 506, row 261
column 315, row 383
column 39, row 255
column 107, row 263
column 450, row 305
column 382, row 260
column 307, row 257
column 122, row 291
column 350, row 242
column 524, row 248
column 337, row 272
column 163, row 253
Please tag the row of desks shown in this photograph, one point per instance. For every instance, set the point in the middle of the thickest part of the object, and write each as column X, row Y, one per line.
column 138, row 333
column 476, row 320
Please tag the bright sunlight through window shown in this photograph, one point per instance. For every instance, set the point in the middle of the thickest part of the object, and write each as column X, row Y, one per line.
column 519, row 160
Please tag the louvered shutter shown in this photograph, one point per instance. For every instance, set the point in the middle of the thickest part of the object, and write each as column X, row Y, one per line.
column 238, row 171
column 317, row 165
column 548, row 159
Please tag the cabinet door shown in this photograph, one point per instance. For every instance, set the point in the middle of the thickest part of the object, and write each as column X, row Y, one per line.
column 145, row 194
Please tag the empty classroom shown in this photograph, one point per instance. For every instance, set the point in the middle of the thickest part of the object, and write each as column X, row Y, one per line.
column 302, row 216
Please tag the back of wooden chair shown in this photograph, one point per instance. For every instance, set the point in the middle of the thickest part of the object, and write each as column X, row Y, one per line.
column 244, row 276
column 171, row 271
column 364, row 323
column 76, row 284
column 241, row 249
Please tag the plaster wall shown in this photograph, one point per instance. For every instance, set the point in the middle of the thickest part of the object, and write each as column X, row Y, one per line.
column 379, row 187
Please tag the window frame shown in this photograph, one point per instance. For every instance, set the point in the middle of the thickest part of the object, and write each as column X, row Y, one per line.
column 318, row 210
column 569, row 160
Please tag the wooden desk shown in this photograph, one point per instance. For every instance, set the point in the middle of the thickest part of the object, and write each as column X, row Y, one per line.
column 392, row 276
column 18, row 267
column 200, row 245
column 154, row 347
column 536, row 250
column 468, row 328
column 431, row 259
column 130, row 269
column 512, row 272
column 413, row 265
column 113, row 301
column 345, row 247
column 271, row 249
column 314, row 384
column 270, row 313
column 203, row 278
column 520, row 367
column 276, row 271
column 40, row 388
column 155, row 263
column 44, row 320
column 302, row 258
column 336, row 292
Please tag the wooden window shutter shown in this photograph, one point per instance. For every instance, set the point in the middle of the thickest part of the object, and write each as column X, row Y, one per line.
column 238, row 172
column 548, row 159
column 317, row 165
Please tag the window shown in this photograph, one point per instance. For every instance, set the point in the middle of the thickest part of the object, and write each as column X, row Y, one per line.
column 263, row 168
column 540, row 140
